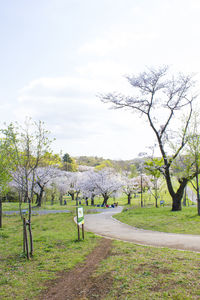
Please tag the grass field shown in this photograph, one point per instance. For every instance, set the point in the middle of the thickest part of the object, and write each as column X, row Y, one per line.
column 135, row 272
column 163, row 219
column 56, row 249
column 143, row 273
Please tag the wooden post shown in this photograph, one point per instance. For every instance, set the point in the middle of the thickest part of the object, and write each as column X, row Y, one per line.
column 31, row 238
column 83, row 231
column 78, row 232
column 24, row 245
column 26, row 240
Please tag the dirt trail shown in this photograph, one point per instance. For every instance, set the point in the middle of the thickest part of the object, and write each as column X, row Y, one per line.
column 78, row 283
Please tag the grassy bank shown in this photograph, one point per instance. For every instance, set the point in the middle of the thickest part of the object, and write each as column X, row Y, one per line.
column 163, row 219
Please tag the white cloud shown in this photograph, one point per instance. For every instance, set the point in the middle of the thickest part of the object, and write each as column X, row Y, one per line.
column 115, row 42
column 77, row 118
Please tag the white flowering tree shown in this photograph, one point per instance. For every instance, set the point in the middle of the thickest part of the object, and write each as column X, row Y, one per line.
column 62, row 183
column 106, row 183
column 130, row 186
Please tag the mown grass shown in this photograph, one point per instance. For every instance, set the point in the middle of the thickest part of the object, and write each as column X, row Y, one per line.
column 140, row 272
column 137, row 272
column 162, row 219
column 55, row 249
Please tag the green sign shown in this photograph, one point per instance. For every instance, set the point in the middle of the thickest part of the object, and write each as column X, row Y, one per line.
column 80, row 216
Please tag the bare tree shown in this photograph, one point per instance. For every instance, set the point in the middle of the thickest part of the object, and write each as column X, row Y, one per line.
column 159, row 99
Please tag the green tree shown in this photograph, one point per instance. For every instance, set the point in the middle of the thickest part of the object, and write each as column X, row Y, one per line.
column 69, row 164
column 152, row 168
column 4, row 176
column 193, row 155
column 104, row 164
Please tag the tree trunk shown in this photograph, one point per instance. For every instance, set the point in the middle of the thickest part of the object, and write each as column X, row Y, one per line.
column 105, row 199
column 92, row 199
column 86, row 200
column 1, row 212
column 77, row 194
column 72, row 195
column 198, row 197
column 61, row 199
column 177, row 197
column 39, row 198
column 52, row 199
column 156, row 191
column 184, row 197
column 129, row 198
column 141, row 195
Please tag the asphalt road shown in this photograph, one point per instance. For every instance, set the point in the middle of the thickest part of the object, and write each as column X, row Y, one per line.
column 103, row 224
column 37, row 212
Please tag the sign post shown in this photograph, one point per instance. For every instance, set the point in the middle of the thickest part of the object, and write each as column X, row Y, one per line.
column 80, row 221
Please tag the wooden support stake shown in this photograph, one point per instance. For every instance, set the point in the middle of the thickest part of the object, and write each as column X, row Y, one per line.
column 83, row 231
column 78, row 232
column 24, row 244
column 31, row 239
column 26, row 240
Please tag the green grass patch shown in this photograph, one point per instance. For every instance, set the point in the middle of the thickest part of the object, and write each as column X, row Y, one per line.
column 162, row 219
column 55, row 249
column 141, row 272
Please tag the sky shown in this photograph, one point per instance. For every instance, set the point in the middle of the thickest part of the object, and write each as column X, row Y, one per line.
column 56, row 56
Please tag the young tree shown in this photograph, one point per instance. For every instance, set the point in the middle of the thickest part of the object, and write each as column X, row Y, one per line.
column 159, row 99
column 193, row 155
column 151, row 167
column 30, row 143
column 6, row 164
column 44, row 176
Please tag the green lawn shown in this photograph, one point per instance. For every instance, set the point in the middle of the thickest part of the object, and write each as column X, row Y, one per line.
column 143, row 273
column 135, row 272
column 55, row 249
column 162, row 219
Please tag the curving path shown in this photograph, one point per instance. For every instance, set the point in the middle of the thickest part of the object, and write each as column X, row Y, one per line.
column 103, row 224
column 37, row 212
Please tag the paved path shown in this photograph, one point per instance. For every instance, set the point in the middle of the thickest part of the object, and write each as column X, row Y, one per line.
column 37, row 212
column 104, row 225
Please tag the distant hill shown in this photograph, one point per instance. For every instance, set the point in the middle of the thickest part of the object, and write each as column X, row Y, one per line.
column 119, row 165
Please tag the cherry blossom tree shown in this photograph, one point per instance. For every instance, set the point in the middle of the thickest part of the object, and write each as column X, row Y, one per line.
column 130, row 186
column 106, row 183
column 159, row 98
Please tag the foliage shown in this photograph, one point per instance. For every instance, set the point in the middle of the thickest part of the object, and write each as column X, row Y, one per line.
column 69, row 164
column 104, row 164
column 49, row 159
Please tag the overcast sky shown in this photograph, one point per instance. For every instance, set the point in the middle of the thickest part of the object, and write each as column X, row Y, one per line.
column 57, row 55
